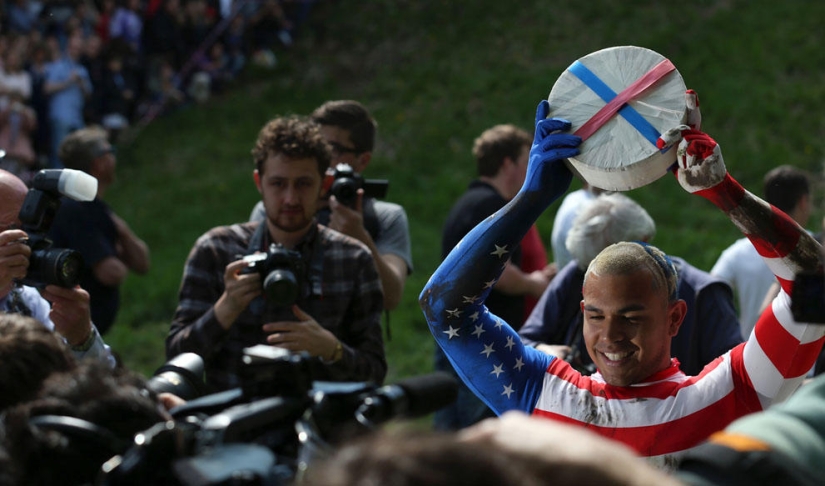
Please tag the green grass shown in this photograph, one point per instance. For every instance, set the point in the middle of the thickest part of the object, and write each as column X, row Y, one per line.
column 436, row 74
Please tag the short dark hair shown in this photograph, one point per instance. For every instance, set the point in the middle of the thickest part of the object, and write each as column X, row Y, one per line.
column 497, row 143
column 30, row 353
column 294, row 137
column 784, row 186
column 81, row 147
column 351, row 116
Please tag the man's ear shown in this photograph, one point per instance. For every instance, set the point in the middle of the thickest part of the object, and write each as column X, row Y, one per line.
column 257, row 177
column 676, row 315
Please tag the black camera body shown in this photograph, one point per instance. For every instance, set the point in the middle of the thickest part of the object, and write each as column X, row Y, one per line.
column 283, row 273
column 47, row 265
column 346, row 182
column 808, row 297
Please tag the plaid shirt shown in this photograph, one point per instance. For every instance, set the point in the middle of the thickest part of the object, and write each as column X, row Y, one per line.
column 343, row 295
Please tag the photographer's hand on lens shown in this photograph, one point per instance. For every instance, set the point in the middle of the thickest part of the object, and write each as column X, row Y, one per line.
column 239, row 290
column 14, row 257
column 349, row 221
column 305, row 334
column 70, row 313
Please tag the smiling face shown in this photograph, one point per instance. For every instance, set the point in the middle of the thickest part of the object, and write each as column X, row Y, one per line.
column 629, row 321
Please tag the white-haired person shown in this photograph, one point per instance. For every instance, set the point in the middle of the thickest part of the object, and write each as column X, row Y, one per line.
column 709, row 329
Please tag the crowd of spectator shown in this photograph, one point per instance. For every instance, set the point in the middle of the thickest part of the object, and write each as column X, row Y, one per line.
column 66, row 64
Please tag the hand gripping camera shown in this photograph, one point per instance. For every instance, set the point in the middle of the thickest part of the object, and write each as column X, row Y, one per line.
column 283, row 273
column 345, row 183
column 49, row 265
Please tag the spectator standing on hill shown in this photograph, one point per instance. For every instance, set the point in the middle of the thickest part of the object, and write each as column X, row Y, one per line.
column 67, row 85
column 787, row 188
column 710, row 326
column 501, row 162
column 335, row 315
column 110, row 249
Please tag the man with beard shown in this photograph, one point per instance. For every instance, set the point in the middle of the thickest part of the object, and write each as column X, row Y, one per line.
column 335, row 317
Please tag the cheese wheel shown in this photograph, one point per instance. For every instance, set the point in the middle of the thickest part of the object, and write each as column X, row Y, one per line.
column 620, row 100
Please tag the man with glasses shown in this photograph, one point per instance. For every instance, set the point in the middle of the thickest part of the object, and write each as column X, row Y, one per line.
column 64, row 310
column 349, row 129
column 110, row 249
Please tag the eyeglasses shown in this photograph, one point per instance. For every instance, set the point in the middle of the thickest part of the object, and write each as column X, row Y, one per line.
column 338, row 149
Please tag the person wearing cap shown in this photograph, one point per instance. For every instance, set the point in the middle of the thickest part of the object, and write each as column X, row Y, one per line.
column 110, row 249
column 639, row 395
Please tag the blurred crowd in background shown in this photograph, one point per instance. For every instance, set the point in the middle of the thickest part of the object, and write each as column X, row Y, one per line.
column 66, row 64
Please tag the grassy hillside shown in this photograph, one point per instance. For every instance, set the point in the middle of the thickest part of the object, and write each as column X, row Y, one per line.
column 435, row 74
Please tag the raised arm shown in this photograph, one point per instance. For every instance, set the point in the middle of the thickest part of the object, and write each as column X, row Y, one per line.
column 486, row 352
column 780, row 351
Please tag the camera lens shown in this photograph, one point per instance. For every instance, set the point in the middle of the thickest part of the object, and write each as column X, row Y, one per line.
column 181, row 376
column 55, row 266
column 281, row 287
column 345, row 190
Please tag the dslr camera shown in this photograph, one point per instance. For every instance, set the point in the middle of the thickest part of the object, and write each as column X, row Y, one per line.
column 282, row 271
column 47, row 265
column 345, row 183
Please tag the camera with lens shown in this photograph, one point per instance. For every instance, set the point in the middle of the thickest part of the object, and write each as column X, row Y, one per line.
column 345, row 183
column 272, row 428
column 282, row 271
column 47, row 265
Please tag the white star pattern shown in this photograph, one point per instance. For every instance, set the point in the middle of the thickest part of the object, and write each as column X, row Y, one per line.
column 500, row 251
column 451, row 332
column 510, row 343
column 497, row 370
column 489, row 284
column 454, row 313
column 488, row 350
column 519, row 364
column 478, row 331
column 508, row 390
column 469, row 299
column 499, row 324
column 474, row 316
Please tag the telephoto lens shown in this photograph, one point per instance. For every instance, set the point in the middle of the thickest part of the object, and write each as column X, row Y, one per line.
column 181, row 376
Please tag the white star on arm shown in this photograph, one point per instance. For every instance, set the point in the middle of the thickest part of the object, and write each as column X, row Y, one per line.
column 488, row 350
column 454, row 313
column 499, row 324
column 451, row 332
column 510, row 343
column 519, row 364
column 469, row 299
column 500, row 251
column 474, row 316
column 489, row 283
column 478, row 331
column 497, row 370
column 508, row 390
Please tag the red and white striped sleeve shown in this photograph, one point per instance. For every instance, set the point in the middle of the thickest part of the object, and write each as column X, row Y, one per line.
column 780, row 351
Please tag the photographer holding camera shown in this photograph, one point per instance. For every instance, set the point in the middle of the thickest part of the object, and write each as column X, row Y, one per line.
column 321, row 292
column 69, row 312
column 350, row 130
